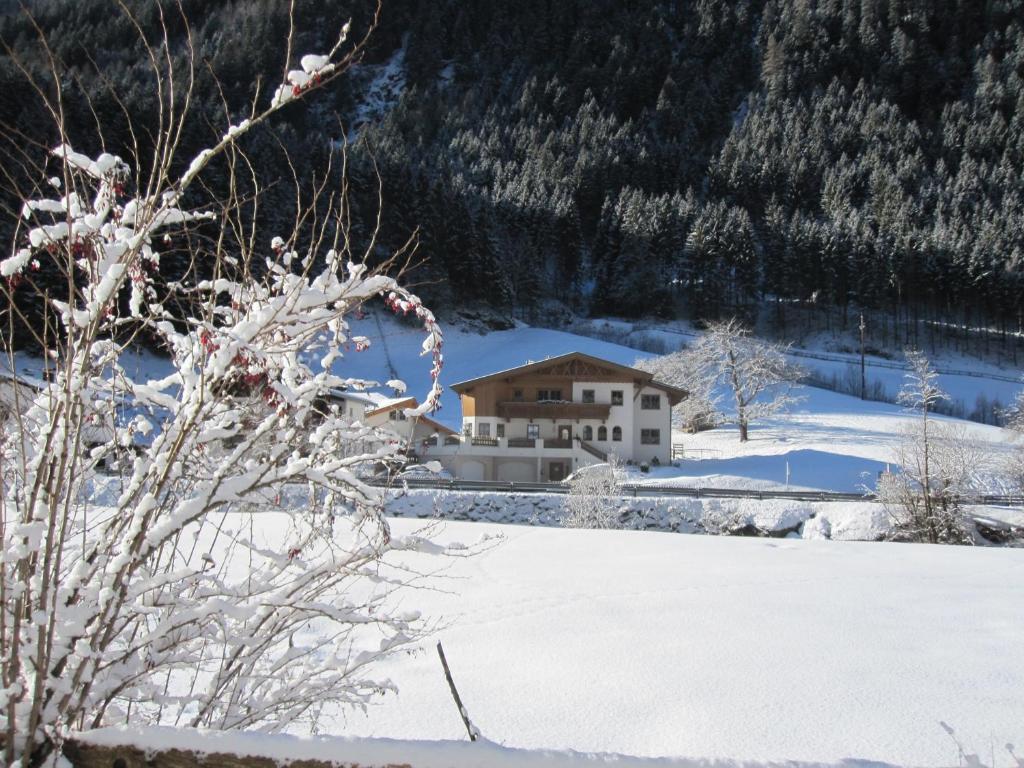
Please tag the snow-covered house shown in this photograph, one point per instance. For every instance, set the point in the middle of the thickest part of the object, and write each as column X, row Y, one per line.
column 388, row 418
column 543, row 420
column 392, row 414
column 17, row 392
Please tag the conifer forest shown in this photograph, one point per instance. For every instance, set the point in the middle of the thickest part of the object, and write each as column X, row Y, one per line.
column 794, row 162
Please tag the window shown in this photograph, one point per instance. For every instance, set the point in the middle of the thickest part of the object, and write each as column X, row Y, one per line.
column 467, row 429
column 483, row 430
column 517, row 394
column 588, row 433
column 616, row 397
column 588, row 395
column 499, row 430
column 650, row 436
column 533, row 431
column 397, row 415
column 650, row 402
column 617, row 434
column 549, row 394
column 602, row 434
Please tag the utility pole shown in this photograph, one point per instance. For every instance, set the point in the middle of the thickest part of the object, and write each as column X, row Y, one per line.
column 863, row 378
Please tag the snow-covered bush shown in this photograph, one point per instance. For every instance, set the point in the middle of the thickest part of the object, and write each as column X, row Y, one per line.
column 194, row 595
column 594, row 498
column 938, row 465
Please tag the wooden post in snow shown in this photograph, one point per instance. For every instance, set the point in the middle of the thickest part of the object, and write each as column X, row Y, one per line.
column 470, row 728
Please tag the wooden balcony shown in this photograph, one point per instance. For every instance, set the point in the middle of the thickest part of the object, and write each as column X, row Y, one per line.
column 553, row 409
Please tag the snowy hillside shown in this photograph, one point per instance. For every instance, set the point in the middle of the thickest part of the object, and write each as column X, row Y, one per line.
column 652, row 644
column 829, row 441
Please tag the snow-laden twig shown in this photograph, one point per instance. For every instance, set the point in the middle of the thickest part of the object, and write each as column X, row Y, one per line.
column 166, row 604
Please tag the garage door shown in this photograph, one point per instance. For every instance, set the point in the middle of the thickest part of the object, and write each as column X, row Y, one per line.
column 472, row 470
column 517, row 471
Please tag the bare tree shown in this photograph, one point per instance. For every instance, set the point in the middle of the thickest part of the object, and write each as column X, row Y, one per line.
column 755, row 371
column 957, row 467
column 938, row 465
column 594, row 498
column 690, row 370
column 167, row 600
column 1013, row 415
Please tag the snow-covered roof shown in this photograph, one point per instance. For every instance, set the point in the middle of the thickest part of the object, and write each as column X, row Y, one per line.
column 384, row 404
column 366, row 398
column 6, row 372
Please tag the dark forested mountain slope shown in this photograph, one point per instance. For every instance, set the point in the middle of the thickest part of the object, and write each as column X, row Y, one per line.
column 693, row 158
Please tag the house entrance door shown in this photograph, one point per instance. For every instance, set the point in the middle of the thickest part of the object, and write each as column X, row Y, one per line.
column 556, row 471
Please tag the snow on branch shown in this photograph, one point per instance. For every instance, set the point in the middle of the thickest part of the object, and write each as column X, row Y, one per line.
column 199, row 546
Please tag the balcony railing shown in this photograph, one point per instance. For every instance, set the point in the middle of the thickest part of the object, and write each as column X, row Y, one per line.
column 553, row 409
column 499, row 442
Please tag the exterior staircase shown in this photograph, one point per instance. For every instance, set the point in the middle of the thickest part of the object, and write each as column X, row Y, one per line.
column 601, row 455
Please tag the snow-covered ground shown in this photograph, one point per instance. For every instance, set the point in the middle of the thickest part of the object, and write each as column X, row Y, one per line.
column 751, row 649
column 829, row 441
column 825, row 356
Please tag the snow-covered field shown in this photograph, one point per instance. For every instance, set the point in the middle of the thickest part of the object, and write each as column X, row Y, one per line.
column 752, row 649
column 829, row 441
column 654, row 644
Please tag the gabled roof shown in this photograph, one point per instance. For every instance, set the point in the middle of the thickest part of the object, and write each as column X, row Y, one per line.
column 395, row 403
column 641, row 377
column 391, row 404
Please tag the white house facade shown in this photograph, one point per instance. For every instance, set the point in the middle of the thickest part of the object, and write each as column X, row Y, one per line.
column 544, row 420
